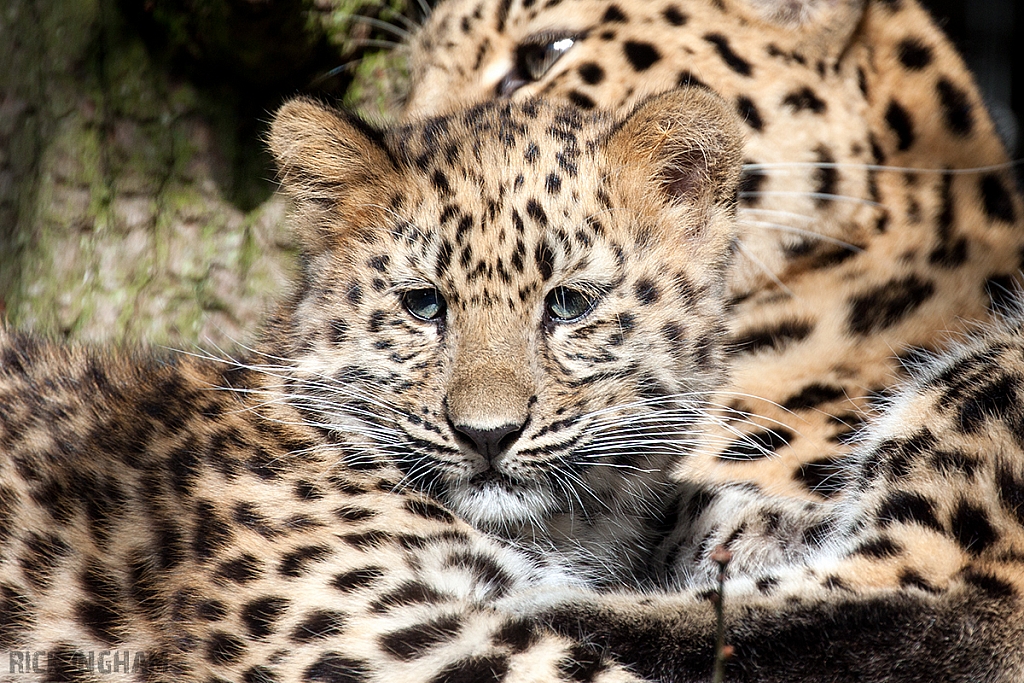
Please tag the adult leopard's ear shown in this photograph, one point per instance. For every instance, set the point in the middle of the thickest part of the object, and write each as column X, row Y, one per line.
column 690, row 143
column 818, row 29
column 334, row 166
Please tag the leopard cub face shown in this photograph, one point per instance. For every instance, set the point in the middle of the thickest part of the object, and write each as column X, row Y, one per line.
column 517, row 305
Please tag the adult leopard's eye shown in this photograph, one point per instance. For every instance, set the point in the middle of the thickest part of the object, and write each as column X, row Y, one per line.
column 536, row 59
column 566, row 305
column 425, row 304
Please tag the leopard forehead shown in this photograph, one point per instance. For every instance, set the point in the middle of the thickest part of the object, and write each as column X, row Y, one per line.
column 501, row 197
column 499, row 201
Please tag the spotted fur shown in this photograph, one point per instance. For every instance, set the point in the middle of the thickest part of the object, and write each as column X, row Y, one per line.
column 877, row 211
column 288, row 514
column 248, row 520
column 913, row 574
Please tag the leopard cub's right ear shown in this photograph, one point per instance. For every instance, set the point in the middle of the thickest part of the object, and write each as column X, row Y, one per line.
column 689, row 140
column 329, row 161
column 681, row 153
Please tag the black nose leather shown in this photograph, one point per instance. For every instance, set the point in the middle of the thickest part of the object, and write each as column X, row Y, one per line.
column 490, row 442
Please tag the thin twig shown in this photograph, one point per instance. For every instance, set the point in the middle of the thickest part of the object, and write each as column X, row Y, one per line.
column 721, row 556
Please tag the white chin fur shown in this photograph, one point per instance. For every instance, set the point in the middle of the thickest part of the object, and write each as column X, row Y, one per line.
column 492, row 504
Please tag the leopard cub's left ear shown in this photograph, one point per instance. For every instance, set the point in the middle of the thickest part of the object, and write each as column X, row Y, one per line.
column 687, row 142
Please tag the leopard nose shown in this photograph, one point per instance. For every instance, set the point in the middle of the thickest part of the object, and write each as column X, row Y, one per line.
column 489, row 442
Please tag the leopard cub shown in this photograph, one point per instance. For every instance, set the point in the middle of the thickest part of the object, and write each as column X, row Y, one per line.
column 511, row 314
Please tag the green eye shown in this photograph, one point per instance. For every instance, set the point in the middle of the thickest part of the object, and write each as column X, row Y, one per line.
column 535, row 59
column 566, row 305
column 425, row 304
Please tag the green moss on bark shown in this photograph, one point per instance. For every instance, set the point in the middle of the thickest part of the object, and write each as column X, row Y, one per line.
column 114, row 224
column 135, row 195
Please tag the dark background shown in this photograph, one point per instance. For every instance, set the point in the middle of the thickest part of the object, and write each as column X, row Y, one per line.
column 990, row 35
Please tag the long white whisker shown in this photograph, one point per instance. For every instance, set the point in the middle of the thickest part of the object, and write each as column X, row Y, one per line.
column 424, row 7
column 812, row 195
column 778, row 212
column 765, row 269
column 804, row 233
column 340, row 69
column 377, row 23
column 377, row 42
column 580, row 484
column 881, row 167
column 410, row 24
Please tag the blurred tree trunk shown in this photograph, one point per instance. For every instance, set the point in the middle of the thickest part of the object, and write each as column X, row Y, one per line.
column 135, row 199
